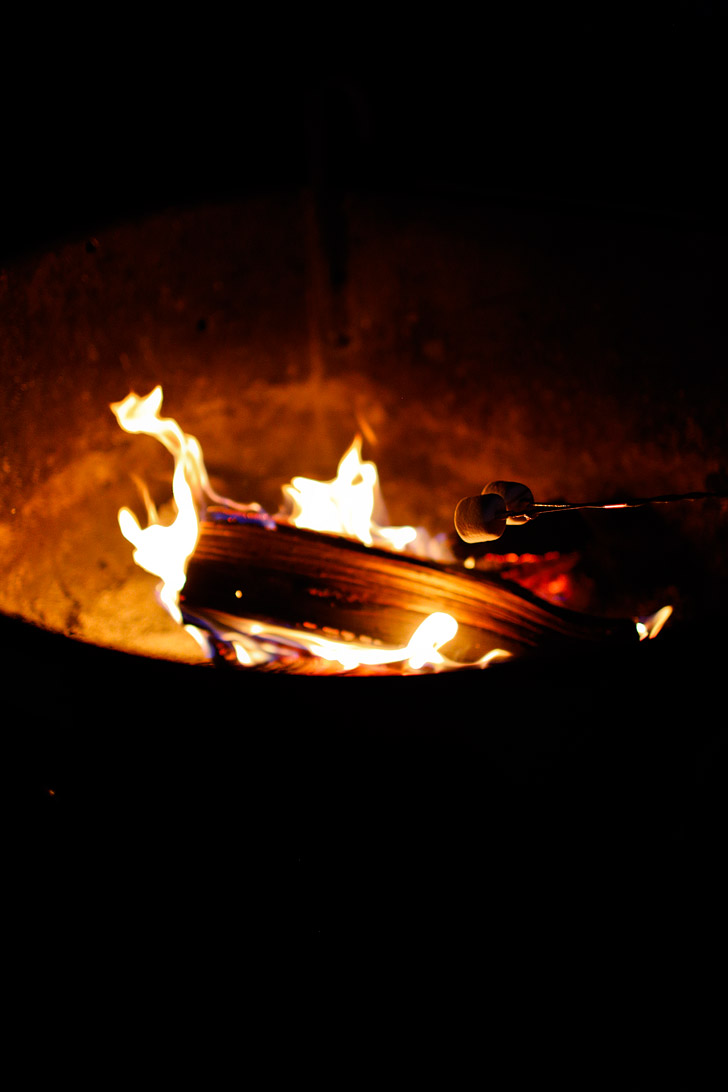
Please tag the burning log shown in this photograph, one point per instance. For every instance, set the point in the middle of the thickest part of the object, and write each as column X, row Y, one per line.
column 283, row 575
column 330, row 580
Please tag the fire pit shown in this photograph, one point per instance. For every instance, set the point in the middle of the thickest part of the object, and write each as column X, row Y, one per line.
column 464, row 351
column 465, row 343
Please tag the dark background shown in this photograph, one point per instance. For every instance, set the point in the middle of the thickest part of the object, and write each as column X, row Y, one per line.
column 608, row 109
column 613, row 108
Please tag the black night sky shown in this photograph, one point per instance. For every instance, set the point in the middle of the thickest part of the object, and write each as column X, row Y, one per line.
column 606, row 107
column 613, row 107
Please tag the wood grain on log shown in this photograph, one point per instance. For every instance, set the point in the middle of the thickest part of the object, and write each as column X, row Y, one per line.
column 345, row 590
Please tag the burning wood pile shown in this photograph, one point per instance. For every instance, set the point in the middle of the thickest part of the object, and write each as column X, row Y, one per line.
column 326, row 586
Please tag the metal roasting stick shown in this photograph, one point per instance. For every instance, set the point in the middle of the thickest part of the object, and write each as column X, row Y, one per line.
column 483, row 518
column 536, row 509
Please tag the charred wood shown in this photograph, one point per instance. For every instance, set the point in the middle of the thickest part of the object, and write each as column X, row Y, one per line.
column 335, row 586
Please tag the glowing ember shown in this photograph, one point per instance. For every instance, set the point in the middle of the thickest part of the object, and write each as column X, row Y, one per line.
column 345, row 505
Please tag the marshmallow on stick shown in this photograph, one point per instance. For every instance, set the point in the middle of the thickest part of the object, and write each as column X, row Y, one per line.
column 484, row 518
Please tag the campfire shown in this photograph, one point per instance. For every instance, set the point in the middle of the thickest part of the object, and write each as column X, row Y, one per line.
column 337, row 723
column 460, row 352
column 326, row 584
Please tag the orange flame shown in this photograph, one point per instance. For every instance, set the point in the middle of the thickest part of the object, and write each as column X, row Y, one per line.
column 345, row 505
column 649, row 627
column 165, row 549
column 159, row 549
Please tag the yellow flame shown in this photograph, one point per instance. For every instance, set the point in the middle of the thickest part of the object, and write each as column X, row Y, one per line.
column 165, row 549
column 160, row 549
column 436, row 630
column 255, row 642
column 648, row 628
column 346, row 504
